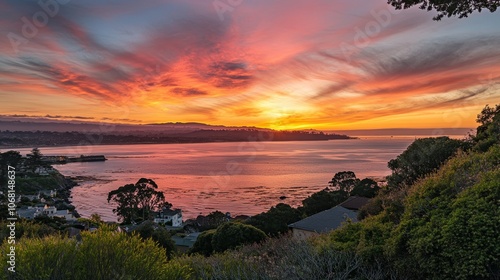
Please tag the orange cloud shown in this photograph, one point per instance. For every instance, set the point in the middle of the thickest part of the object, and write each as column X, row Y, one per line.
column 298, row 64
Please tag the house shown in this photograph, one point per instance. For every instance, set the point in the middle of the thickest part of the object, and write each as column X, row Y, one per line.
column 49, row 193
column 52, row 211
column 322, row 222
column 49, row 211
column 355, row 202
column 30, row 212
column 32, row 197
column 42, row 171
column 183, row 244
column 169, row 217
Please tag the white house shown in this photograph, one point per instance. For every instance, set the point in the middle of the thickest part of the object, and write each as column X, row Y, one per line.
column 49, row 210
column 169, row 217
column 42, row 171
column 52, row 211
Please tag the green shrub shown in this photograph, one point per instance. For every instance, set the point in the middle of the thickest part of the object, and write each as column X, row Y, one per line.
column 421, row 158
column 451, row 223
column 471, row 234
column 28, row 229
column 203, row 244
column 51, row 257
column 104, row 254
column 231, row 235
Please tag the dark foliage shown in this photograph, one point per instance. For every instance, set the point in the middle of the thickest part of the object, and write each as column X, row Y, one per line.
column 137, row 201
column 203, row 244
column 448, row 8
column 421, row 158
column 231, row 235
column 488, row 132
column 275, row 221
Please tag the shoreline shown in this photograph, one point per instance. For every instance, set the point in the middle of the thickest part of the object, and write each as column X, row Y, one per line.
column 168, row 143
column 81, row 180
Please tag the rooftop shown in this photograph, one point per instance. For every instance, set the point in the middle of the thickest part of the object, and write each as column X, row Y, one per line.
column 326, row 221
column 355, row 202
column 169, row 212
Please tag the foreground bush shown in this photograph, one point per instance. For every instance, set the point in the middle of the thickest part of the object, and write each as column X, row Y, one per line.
column 227, row 236
column 451, row 227
column 232, row 235
column 104, row 254
column 27, row 229
column 283, row 258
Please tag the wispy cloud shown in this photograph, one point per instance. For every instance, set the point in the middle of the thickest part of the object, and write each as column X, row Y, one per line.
column 267, row 63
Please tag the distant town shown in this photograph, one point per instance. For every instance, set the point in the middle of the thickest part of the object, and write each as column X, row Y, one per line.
column 48, row 138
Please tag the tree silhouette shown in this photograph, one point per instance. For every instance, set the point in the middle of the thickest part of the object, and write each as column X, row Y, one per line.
column 10, row 158
column 275, row 221
column 488, row 132
column 422, row 157
column 344, row 181
column 137, row 201
column 35, row 157
column 365, row 188
column 460, row 8
column 231, row 235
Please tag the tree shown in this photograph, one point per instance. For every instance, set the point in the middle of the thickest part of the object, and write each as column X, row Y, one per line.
column 344, row 181
column 365, row 188
column 421, row 158
column 137, row 201
column 322, row 200
column 342, row 185
column 488, row 132
column 460, row 8
column 96, row 219
column 211, row 221
column 231, row 235
column 35, row 157
column 11, row 158
column 216, row 218
column 275, row 221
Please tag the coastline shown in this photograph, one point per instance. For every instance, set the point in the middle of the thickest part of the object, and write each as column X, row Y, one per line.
column 7, row 147
column 69, row 184
column 72, row 182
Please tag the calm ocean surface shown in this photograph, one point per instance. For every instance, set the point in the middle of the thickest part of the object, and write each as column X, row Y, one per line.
column 240, row 178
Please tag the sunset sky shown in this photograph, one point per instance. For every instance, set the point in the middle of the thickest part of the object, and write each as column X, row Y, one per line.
column 295, row 64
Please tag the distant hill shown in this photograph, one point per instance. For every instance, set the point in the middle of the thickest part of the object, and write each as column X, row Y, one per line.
column 40, row 132
column 40, row 124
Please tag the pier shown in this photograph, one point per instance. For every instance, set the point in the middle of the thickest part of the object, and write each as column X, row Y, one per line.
column 66, row 159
